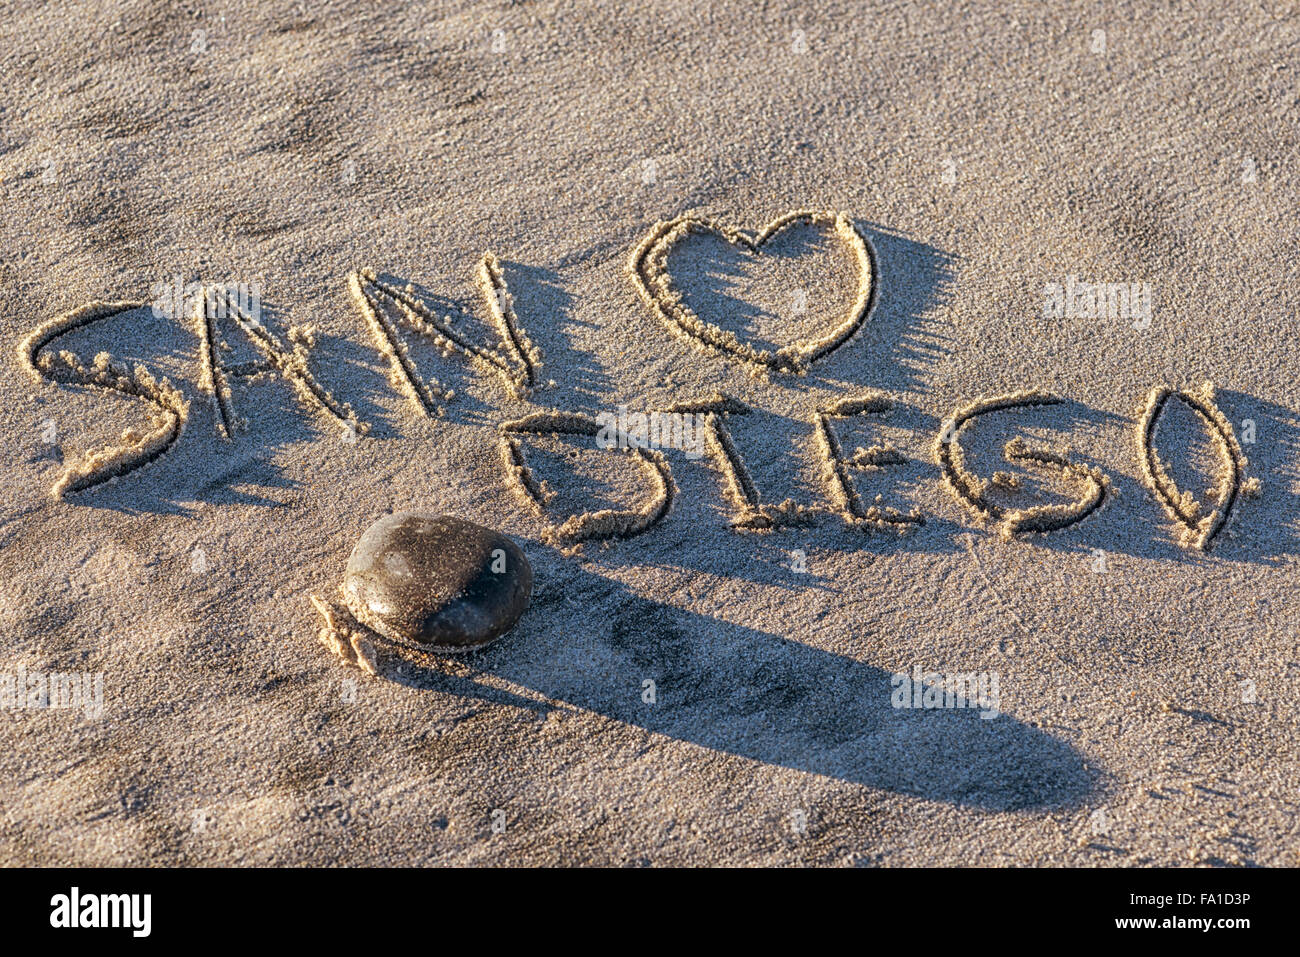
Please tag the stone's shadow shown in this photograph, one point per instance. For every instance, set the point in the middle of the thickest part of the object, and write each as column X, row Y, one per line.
column 590, row 642
column 425, row 677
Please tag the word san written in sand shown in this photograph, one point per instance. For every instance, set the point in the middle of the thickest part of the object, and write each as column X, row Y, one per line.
column 391, row 312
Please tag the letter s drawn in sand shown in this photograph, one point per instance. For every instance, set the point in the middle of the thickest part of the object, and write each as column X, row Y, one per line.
column 136, row 450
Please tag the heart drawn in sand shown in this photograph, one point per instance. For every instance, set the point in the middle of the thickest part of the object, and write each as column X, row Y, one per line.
column 648, row 269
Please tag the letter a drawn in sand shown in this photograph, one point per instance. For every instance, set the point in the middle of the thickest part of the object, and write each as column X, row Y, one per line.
column 215, row 375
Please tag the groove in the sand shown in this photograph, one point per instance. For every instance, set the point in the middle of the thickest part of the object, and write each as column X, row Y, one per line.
column 648, row 270
column 213, row 374
column 403, row 374
column 739, row 488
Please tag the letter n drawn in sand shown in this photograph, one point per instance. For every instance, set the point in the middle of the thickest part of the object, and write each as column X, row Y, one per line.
column 169, row 409
column 516, row 361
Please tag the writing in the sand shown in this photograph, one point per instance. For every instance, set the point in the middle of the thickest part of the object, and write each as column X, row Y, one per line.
column 699, row 425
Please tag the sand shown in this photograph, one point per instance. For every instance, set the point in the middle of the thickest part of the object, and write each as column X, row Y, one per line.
column 715, row 688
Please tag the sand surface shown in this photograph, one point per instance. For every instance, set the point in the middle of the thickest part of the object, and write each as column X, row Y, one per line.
column 1147, row 710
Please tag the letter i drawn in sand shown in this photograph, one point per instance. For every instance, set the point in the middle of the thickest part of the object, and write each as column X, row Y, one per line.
column 515, row 361
column 752, row 514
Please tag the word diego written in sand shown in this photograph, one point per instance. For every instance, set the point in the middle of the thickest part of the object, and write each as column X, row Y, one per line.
column 390, row 311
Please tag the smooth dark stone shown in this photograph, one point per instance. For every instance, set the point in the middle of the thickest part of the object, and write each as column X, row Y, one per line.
column 437, row 581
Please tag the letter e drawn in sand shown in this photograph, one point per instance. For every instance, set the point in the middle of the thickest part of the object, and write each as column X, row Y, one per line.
column 752, row 515
column 516, row 361
column 1198, row 530
column 972, row 491
column 835, row 467
column 170, row 410
column 215, row 376
column 648, row 270
column 601, row 525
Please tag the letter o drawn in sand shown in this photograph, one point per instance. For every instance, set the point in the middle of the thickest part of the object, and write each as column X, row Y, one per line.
column 1198, row 530
column 648, row 270
column 972, row 491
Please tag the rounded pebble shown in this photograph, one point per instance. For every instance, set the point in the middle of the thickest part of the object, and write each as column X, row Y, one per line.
column 437, row 581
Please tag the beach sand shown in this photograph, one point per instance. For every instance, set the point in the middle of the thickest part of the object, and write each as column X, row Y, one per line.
column 1147, row 689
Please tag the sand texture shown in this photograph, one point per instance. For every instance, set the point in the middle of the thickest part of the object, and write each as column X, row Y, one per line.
column 844, row 245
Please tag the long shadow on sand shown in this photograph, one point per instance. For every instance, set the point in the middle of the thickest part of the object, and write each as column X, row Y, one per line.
column 755, row 695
